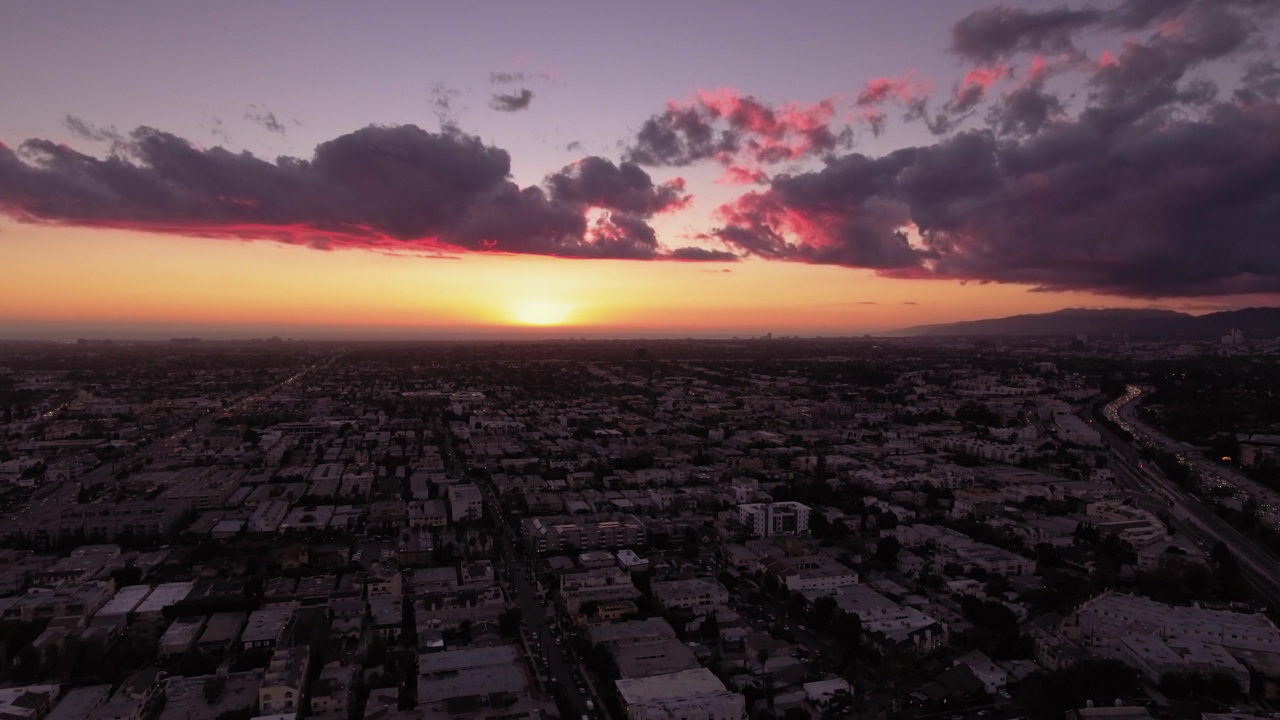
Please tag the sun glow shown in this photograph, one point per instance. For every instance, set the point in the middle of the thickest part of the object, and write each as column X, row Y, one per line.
column 542, row 312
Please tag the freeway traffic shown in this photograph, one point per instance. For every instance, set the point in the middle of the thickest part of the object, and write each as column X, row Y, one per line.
column 1200, row 522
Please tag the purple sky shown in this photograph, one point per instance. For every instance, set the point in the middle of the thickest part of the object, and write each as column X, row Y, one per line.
column 1125, row 147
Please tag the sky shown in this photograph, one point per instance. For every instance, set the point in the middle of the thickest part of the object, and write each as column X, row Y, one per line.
column 432, row 170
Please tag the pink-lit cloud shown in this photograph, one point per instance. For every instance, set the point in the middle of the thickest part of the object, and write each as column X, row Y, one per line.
column 739, row 132
column 379, row 187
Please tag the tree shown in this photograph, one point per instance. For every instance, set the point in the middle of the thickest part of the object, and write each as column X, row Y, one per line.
column 692, row 546
column 127, row 575
column 1052, row 694
column 823, row 613
column 711, row 626
column 1226, row 567
column 886, row 555
column 847, row 629
column 509, row 622
column 1224, row 687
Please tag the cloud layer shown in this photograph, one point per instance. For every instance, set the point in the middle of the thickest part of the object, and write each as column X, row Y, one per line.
column 1150, row 169
column 1155, row 188
column 398, row 187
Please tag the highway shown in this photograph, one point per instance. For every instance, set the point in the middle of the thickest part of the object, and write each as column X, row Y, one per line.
column 1217, row 479
column 1189, row 514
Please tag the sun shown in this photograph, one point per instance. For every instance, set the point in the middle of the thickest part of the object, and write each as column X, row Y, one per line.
column 542, row 312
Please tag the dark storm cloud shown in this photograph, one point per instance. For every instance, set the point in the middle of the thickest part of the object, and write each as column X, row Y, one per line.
column 1155, row 187
column 513, row 102
column 1025, row 111
column 1147, row 77
column 387, row 187
column 996, row 32
column 679, row 137
column 626, row 188
column 1189, row 208
column 1137, row 14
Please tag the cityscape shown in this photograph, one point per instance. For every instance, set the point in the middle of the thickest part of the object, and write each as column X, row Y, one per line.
column 842, row 360
column 791, row 528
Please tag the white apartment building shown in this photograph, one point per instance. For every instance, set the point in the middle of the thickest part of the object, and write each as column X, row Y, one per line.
column 465, row 502
column 775, row 518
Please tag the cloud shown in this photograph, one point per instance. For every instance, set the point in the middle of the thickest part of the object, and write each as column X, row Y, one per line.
column 997, row 32
column 264, row 118
column 1146, row 77
column 441, row 98
column 698, row 254
column 977, row 82
column 1025, row 110
column 1259, row 83
column 1155, row 188
column 1188, row 208
column 1136, row 175
column 1138, row 14
column 513, row 102
column 597, row 182
column 737, row 131
column 87, row 131
column 881, row 91
column 517, row 77
column 384, row 188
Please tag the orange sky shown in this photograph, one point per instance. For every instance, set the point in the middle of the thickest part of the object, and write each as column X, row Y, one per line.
column 103, row 278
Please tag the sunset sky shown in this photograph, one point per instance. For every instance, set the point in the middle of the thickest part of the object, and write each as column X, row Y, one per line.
column 432, row 170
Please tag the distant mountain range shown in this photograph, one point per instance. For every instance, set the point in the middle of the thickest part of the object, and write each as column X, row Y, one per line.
column 1255, row 323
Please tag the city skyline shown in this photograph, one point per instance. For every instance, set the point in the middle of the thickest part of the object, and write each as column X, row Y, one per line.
column 616, row 172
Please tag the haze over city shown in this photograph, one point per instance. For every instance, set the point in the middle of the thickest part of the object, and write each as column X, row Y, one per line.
column 583, row 169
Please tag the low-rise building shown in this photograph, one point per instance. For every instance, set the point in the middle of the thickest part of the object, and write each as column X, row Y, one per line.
column 266, row 628
column 697, row 594
column 687, row 695
column 465, row 502
column 283, row 690
column 775, row 518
